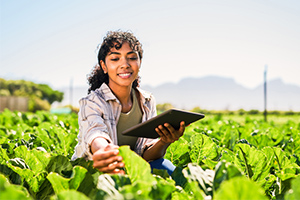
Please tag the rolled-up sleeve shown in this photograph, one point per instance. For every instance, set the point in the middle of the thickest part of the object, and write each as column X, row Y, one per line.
column 91, row 125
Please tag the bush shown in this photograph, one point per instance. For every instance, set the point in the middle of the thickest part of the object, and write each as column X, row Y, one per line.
column 4, row 92
column 35, row 104
column 163, row 107
column 253, row 112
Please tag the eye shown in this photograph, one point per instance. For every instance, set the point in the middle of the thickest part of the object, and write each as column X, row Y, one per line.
column 133, row 58
column 114, row 59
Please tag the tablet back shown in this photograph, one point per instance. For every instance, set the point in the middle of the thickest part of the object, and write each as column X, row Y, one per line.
column 172, row 116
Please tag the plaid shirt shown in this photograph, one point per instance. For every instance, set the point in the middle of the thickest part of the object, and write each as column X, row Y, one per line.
column 98, row 117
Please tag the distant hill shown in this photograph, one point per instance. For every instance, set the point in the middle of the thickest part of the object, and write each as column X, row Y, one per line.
column 216, row 93
column 219, row 93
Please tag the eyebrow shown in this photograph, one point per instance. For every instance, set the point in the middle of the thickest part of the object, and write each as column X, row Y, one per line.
column 130, row 52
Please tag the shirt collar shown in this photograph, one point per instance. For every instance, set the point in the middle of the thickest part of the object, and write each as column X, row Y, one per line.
column 106, row 92
column 146, row 95
column 109, row 95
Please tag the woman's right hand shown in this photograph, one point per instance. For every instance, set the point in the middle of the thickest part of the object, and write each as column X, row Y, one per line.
column 106, row 159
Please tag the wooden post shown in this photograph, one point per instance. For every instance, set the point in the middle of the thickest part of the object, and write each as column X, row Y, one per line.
column 265, row 92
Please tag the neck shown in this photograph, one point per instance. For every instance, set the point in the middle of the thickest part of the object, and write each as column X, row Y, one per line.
column 124, row 96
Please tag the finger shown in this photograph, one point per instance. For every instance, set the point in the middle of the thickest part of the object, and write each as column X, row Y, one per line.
column 172, row 133
column 117, row 171
column 104, row 158
column 169, row 127
column 111, row 147
column 159, row 132
column 164, row 131
column 170, row 137
column 112, row 171
column 182, row 127
column 163, row 137
column 176, row 134
column 107, row 162
column 182, row 124
column 112, row 167
column 101, row 155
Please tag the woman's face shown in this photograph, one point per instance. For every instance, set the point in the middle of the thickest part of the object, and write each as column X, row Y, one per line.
column 122, row 66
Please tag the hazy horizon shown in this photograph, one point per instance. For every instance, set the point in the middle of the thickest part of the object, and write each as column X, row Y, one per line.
column 55, row 42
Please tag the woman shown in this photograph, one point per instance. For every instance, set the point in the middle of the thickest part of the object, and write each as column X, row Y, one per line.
column 115, row 103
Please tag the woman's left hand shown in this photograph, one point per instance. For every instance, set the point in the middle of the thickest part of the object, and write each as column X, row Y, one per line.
column 168, row 134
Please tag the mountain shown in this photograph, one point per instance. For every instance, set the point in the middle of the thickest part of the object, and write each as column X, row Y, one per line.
column 219, row 93
column 215, row 93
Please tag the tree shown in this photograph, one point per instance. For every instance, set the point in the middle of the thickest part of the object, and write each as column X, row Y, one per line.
column 41, row 96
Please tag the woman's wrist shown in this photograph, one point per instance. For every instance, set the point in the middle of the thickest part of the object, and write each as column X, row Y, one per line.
column 98, row 143
column 161, row 142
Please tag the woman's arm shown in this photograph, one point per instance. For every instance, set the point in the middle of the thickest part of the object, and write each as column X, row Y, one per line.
column 105, row 156
column 168, row 135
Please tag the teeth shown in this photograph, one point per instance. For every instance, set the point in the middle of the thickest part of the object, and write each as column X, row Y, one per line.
column 127, row 74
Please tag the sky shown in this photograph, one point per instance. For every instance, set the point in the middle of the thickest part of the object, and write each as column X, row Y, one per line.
column 55, row 42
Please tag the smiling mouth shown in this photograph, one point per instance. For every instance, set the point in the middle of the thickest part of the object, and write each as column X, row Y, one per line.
column 125, row 75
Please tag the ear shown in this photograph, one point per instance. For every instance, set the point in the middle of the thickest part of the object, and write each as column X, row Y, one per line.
column 103, row 66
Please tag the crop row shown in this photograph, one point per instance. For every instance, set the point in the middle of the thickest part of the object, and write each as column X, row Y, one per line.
column 215, row 159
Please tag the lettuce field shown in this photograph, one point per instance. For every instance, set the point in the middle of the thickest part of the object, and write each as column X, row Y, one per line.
column 217, row 158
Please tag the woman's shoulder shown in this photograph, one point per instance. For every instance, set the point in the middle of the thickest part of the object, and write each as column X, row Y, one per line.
column 103, row 93
column 145, row 94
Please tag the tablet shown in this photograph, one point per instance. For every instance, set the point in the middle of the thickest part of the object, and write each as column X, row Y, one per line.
column 172, row 116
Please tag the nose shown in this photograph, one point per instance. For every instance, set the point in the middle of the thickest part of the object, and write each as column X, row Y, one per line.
column 124, row 63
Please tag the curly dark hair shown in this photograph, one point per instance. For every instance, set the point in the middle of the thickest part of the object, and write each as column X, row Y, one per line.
column 112, row 39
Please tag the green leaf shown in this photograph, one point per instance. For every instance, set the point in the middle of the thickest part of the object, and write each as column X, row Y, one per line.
column 178, row 177
column 284, row 167
column 13, row 177
column 239, row 188
column 46, row 141
column 204, row 178
column 69, row 195
column 163, row 189
column 11, row 191
column 88, row 184
column 19, row 162
column 202, row 147
column 180, row 194
column 294, row 192
column 34, row 179
column 77, row 177
column 108, row 186
column 61, row 165
column 136, row 167
column 252, row 162
column 193, row 190
column 87, row 164
column 120, row 180
column 178, row 153
column 60, row 183
column 3, row 156
column 224, row 171
column 227, row 155
column 36, row 160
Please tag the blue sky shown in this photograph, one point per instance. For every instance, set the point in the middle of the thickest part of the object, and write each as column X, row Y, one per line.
column 56, row 41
